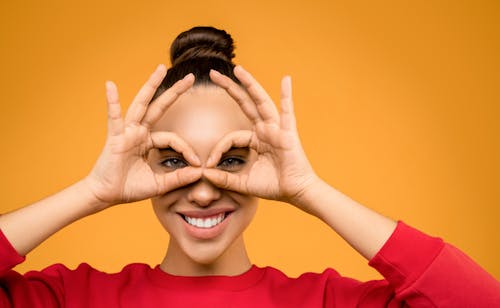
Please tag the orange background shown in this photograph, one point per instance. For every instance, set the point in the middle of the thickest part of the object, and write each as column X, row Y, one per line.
column 397, row 106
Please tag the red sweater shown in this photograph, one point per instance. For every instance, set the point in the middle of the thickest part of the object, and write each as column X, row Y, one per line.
column 419, row 271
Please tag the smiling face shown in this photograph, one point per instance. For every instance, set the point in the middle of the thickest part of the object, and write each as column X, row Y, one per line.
column 205, row 223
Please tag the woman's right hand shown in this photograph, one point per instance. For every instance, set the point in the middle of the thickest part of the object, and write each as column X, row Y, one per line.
column 122, row 173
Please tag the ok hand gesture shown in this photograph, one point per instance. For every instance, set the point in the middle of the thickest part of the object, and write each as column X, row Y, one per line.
column 281, row 170
column 122, row 173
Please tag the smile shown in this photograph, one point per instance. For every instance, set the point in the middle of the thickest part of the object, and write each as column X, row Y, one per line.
column 207, row 222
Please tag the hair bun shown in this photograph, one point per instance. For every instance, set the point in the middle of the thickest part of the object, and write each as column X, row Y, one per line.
column 198, row 51
column 202, row 42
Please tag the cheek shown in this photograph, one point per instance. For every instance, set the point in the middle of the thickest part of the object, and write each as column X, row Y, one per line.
column 246, row 202
column 162, row 207
column 161, row 204
column 247, row 210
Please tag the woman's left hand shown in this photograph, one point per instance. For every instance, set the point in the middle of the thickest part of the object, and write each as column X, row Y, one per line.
column 281, row 170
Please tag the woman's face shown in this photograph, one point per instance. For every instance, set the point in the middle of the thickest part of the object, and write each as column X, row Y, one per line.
column 204, row 222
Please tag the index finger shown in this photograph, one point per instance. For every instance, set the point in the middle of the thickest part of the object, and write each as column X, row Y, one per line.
column 238, row 139
column 168, row 139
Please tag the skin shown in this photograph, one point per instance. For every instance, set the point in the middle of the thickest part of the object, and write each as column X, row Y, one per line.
column 277, row 169
column 202, row 116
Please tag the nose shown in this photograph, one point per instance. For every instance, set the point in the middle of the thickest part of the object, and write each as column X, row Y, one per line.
column 203, row 193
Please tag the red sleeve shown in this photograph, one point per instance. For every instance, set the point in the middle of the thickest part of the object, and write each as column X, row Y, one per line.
column 8, row 255
column 17, row 290
column 426, row 272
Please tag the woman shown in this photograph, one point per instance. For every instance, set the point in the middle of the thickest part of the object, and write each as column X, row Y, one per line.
column 204, row 141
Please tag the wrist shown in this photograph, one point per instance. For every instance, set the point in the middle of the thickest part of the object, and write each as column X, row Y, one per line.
column 88, row 189
column 305, row 198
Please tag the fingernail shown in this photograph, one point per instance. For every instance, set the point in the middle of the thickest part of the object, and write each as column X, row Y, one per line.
column 189, row 76
column 109, row 85
column 196, row 160
column 239, row 67
column 160, row 66
column 215, row 72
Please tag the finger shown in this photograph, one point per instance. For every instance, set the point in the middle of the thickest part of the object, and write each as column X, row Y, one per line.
column 163, row 140
column 160, row 105
column 178, row 178
column 141, row 101
column 238, row 94
column 115, row 121
column 265, row 105
column 237, row 139
column 287, row 115
column 226, row 180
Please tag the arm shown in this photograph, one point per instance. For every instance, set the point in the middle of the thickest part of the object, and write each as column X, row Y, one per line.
column 280, row 153
column 415, row 265
column 364, row 229
column 425, row 271
column 48, row 216
column 121, row 173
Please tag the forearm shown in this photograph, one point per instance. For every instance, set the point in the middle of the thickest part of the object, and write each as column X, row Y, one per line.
column 364, row 229
column 27, row 227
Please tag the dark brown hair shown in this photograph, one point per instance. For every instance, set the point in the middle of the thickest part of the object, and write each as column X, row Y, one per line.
column 197, row 51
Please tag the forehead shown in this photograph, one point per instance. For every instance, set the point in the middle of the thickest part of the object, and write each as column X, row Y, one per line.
column 202, row 116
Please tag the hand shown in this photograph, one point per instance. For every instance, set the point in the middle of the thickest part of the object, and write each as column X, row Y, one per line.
column 281, row 170
column 122, row 173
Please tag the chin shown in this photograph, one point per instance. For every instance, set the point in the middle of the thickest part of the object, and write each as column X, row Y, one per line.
column 211, row 253
column 206, row 255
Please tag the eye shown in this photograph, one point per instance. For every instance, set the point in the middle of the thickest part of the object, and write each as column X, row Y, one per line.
column 174, row 163
column 231, row 163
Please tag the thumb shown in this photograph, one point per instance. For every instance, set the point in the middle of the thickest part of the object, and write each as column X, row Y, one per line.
column 226, row 180
column 178, row 178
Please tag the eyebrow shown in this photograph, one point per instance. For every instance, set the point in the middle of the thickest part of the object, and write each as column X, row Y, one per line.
column 170, row 149
column 246, row 149
column 167, row 149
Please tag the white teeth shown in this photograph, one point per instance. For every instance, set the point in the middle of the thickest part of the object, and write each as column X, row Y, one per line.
column 205, row 222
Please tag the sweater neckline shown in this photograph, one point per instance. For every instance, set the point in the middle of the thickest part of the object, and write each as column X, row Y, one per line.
column 238, row 282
